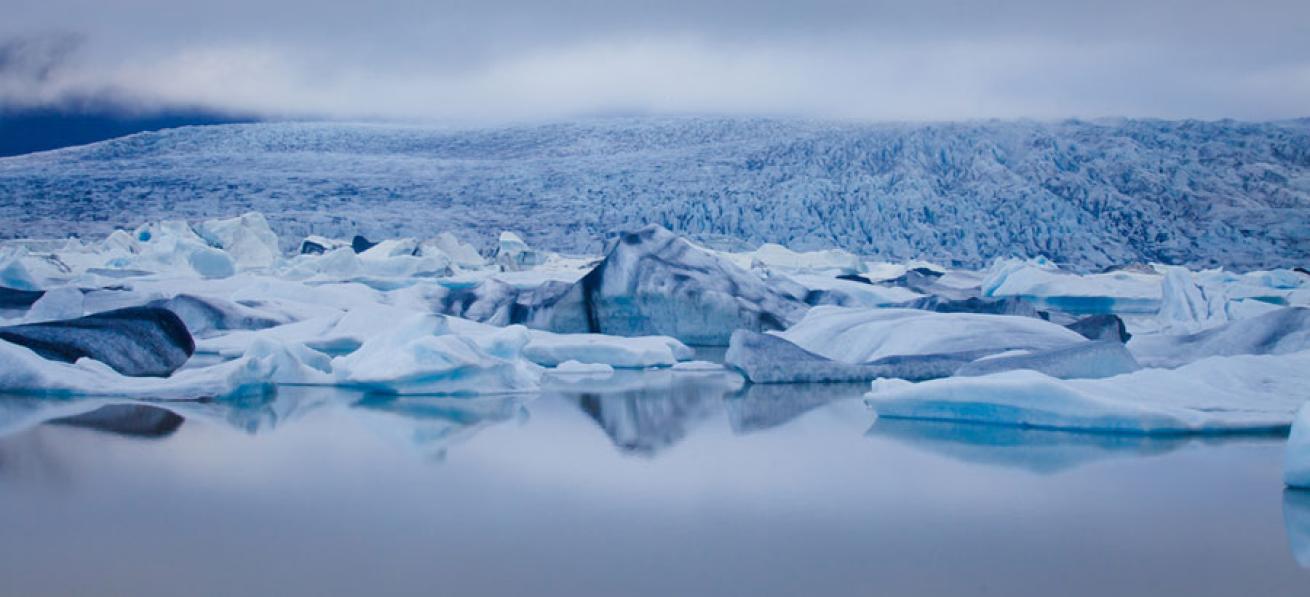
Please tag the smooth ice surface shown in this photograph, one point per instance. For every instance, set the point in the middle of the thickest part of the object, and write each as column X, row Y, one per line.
column 1046, row 285
column 1277, row 332
column 1296, row 471
column 660, row 487
column 865, row 335
column 545, row 348
column 1096, row 359
column 1213, row 395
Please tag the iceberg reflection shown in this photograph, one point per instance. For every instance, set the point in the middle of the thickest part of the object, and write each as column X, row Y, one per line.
column 757, row 407
column 646, row 412
column 1037, row 450
column 432, row 425
column 1296, row 517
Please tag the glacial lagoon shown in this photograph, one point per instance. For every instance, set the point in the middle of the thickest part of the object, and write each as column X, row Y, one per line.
column 651, row 482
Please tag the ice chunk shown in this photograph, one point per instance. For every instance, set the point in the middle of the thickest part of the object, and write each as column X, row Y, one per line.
column 1218, row 394
column 767, row 358
column 13, row 299
column 973, row 304
column 1102, row 327
column 579, row 368
column 206, row 315
column 1278, row 332
column 774, row 256
column 653, row 282
column 65, row 302
column 420, row 355
column 136, row 341
column 545, row 348
column 13, row 273
column 1042, row 283
column 866, row 335
column 460, row 253
column 1085, row 360
column 513, row 254
column 1296, row 470
column 247, row 238
column 26, row 372
column 319, row 245
column 827, row 290
column 697, row 366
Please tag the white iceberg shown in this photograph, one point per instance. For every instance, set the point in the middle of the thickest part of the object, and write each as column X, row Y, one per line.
column 549, row 349
column 1218, row 394
column 247, row 238
column 1280, row 331
column 1296, row 470
column 867, row 335
column 421, row 355
column 1047, row 286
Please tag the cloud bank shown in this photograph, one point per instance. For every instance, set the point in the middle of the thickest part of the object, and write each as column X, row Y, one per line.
column 517, row 59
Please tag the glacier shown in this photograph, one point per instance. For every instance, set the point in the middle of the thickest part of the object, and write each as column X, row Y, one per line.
column 1086, row 194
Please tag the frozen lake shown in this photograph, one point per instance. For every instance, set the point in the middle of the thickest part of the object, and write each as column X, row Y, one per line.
column 641, row 484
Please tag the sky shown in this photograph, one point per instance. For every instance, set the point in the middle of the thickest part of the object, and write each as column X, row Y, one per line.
column 524, row 59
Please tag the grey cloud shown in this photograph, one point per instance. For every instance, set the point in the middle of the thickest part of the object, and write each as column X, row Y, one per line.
column 931, row 59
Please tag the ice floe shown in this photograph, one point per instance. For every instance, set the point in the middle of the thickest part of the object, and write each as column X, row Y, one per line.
column 1214, row 395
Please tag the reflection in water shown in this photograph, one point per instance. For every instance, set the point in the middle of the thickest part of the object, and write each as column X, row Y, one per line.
column 757, row 407
column 646, row 412
column 1036, row 450
column 1296, row 517
column 432, row 425
column 130, row 420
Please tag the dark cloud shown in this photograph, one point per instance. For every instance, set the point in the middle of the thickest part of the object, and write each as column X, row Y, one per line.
column 520, row 58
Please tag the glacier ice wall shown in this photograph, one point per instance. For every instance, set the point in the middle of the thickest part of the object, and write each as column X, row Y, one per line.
column 1083, row 194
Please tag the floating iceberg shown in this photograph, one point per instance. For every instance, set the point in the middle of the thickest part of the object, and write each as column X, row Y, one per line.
column 549, row 349
column 1048, row 287
column 1214, row 395
column 1085, row 360
column 653, row 282
column 421, row 355
column 830, row 262
column 1277, row 332
column 137, row 341
column 25, row 372
column 767, row 358
column 247, row 238
column 1296, row 471
column 868, row 335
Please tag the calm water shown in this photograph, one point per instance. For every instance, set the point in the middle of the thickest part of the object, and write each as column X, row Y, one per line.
column 643, row 484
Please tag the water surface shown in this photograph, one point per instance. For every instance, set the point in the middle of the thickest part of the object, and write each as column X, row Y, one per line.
column 642, row 484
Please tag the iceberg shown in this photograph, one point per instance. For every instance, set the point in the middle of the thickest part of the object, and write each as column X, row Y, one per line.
column 208, row 315
column 65, row 302
column 1253, row 394
column 1048, row 287
column 1102, row 327
column 653, row 282
column 1296, row 470
column 1277, row 332
column 867, row 335
column 422, row 355
column 1086, row 360
column 829, row 262
column 767, row 358
column 550, row 350
column 247, row 238
column 513, row 254
column 136, row 341
column 26, row 372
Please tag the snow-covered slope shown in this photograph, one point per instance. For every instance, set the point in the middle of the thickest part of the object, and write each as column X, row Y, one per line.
column 1084, row 194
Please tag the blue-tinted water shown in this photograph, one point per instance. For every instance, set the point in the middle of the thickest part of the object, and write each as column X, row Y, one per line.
column 643, row 484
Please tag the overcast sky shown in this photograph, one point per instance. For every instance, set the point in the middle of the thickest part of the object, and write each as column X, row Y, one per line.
column 523, row 59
